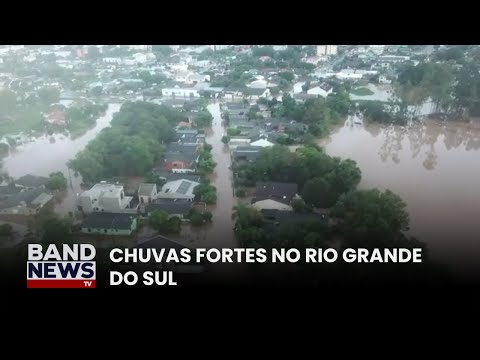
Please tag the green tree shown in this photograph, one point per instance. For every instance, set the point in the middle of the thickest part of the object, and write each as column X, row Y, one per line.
column 225, row 139
column 372, row 215
column 287, row 75
column 56, row 181
column 164, row 50
column 159, row 221
column 8, row 101
column 203, row 119
column 49, row 95
column 96, row 91
column 318, row 192
column 197, row 219
column 246, row 216
column 207, row 216
column 175, row 225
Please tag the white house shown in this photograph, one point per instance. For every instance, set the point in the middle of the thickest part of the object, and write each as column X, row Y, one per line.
column 112, row 60
column 140, row 47
column 197, row 78
column 326, row 50
column 256, row 93
column 180, row 92
column 178, row 189
column 322, row 90
column 262, row 143
column 179, row 67
column 182, row 76
column 258, row 84
column 104, row 197
column 219, row 47
column 270, row 204
column 147, row 193
column 29, row 58
column 280, row 47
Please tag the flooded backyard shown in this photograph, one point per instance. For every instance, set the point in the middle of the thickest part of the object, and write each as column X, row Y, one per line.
column 435, row 168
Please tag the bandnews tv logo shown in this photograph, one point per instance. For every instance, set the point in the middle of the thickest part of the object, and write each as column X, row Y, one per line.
column 72, row 266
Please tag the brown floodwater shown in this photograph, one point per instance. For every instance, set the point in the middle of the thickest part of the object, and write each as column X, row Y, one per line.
column 435, row 167
column 41, row 157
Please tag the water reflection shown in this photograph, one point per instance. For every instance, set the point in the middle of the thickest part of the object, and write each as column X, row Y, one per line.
column 433, row 167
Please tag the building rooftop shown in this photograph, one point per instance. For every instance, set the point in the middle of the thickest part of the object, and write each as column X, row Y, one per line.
column 146, row 189
column 275, row 190
column 104, row 190
column 181, row 186
column 103, row 220
column 170, row 207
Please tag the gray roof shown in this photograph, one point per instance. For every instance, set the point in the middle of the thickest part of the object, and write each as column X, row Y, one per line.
column 31, row 181
column 170, row 207
column 275, row 190
column 181, row 148
column 102, row 220
column 146, row 189
column 27, row 196
column 41, row 199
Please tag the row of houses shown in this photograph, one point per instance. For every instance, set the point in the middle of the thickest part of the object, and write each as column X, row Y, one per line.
column 24, row 196
column 111, row 211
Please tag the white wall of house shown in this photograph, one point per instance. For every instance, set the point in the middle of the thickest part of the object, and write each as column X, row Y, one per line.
column 180, row 93
column 117, row 232
column 319, row 91
column 112, row 60
column 326, row 49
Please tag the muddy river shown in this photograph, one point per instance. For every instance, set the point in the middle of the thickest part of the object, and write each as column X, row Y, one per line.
column 435, row 168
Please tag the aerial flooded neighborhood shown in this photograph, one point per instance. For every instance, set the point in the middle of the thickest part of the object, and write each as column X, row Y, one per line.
column 225, row 146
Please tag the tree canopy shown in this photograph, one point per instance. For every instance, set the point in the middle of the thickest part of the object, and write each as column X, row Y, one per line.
column 131, row 145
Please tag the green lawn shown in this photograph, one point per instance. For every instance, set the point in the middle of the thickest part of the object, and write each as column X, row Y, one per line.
column 361, row 91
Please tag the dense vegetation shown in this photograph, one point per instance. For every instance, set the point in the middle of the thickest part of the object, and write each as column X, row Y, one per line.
column 56, row 181
column 131, row 145
column 19, row 112
column 319, row 114
column 453, row 88
column 320, row 177
column 81, row 118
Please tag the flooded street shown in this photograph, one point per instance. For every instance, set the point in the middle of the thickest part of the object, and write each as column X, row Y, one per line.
column 220, row 232
column 435, row 169
column 41, row 157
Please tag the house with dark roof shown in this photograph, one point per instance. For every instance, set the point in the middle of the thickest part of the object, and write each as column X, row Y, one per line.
column 246, row 153
column 172, row 208
column 31, row 182
column 109, row 224
column 181, row 157
column 278, row 191
column 255, row 93
column 25, row 202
